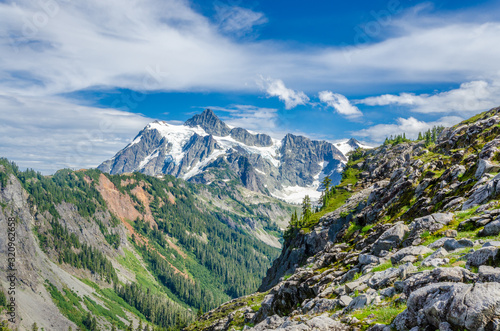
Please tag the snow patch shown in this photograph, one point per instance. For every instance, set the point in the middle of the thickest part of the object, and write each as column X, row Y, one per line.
column 148, row 158
column 177, row 136
column 295, row 194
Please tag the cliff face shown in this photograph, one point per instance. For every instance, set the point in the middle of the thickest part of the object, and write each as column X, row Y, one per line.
column 410, row 239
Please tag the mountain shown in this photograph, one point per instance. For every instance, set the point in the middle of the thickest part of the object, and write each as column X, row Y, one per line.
column 92, row 250
column 409, row 240
column 206, row 150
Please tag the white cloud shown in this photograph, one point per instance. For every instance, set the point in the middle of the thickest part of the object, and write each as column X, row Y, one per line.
column 339, row 103
column 237, row 20
column 48, row 134
column 410, row 126
column 258, row 119
column 277, row 88
column 111, row 43
column 469, row 97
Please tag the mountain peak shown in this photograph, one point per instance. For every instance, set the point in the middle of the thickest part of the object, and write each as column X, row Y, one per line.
column 209, row 122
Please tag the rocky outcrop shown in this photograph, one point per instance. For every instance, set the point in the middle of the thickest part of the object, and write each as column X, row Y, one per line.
column 259, row 139
column 209, row 122
column 460, row 306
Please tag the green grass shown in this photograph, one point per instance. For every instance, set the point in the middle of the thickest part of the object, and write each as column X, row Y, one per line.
column 142, row 275
column 367, row 228
column 338, row 200
column 349, row 177
column 68, row 303
column 113, row 301
column 350, row 231
column 379, row 314
column 382, row 267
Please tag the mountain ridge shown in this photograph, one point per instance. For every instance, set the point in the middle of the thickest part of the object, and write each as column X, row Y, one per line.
column 204, row 150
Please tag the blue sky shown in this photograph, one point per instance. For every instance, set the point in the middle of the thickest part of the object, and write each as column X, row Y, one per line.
column 78, row 80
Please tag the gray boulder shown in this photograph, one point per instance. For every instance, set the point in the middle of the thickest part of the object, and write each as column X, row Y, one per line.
column 430, row 223
column 384, row 278
column 435, row 262
column 409, row 251
column 489, row 274
column 325, row 323
column 456, row 275
column 390, row 238
column 484, row 256
column 320, row 306
column 452, row 244
column 438, row 243
column 462, row 306
column 482, row 192
column 485, row 166
column 345, row 300
column 359, row 302
column 493, row 243
column 491, row 229
column 368, row 259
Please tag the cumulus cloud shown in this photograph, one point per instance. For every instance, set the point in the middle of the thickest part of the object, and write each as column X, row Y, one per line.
column 277, row 88
column 469, row 97
column 410, row 126
column 48, row 134
column 339, row 103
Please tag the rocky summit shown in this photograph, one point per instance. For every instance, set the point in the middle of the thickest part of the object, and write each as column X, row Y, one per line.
column 409, row 240
column 206, row 150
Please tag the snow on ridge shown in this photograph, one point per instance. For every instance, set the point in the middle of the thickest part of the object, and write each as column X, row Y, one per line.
column 148, row 158
column 269, row 153
column 177, row 136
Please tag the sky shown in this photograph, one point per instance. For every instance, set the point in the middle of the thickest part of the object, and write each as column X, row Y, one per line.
column 79, row 79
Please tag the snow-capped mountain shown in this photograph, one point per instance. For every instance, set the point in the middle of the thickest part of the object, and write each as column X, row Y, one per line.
column 206, row 150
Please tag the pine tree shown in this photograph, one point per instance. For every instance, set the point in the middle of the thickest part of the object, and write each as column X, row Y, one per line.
column 325, row 185
column 306, row 210
column 34, row 327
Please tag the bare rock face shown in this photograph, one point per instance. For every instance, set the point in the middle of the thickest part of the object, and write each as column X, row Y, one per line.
column 301, row 156
column 259, row 139
column 210, row 123
column 462, row 306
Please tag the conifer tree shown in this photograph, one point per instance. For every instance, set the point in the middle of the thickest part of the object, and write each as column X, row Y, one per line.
column 306, row 210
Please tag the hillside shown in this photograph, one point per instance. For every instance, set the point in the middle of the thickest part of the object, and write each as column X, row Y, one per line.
column 98, row 252
column 206, row 150
column 408, row 240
